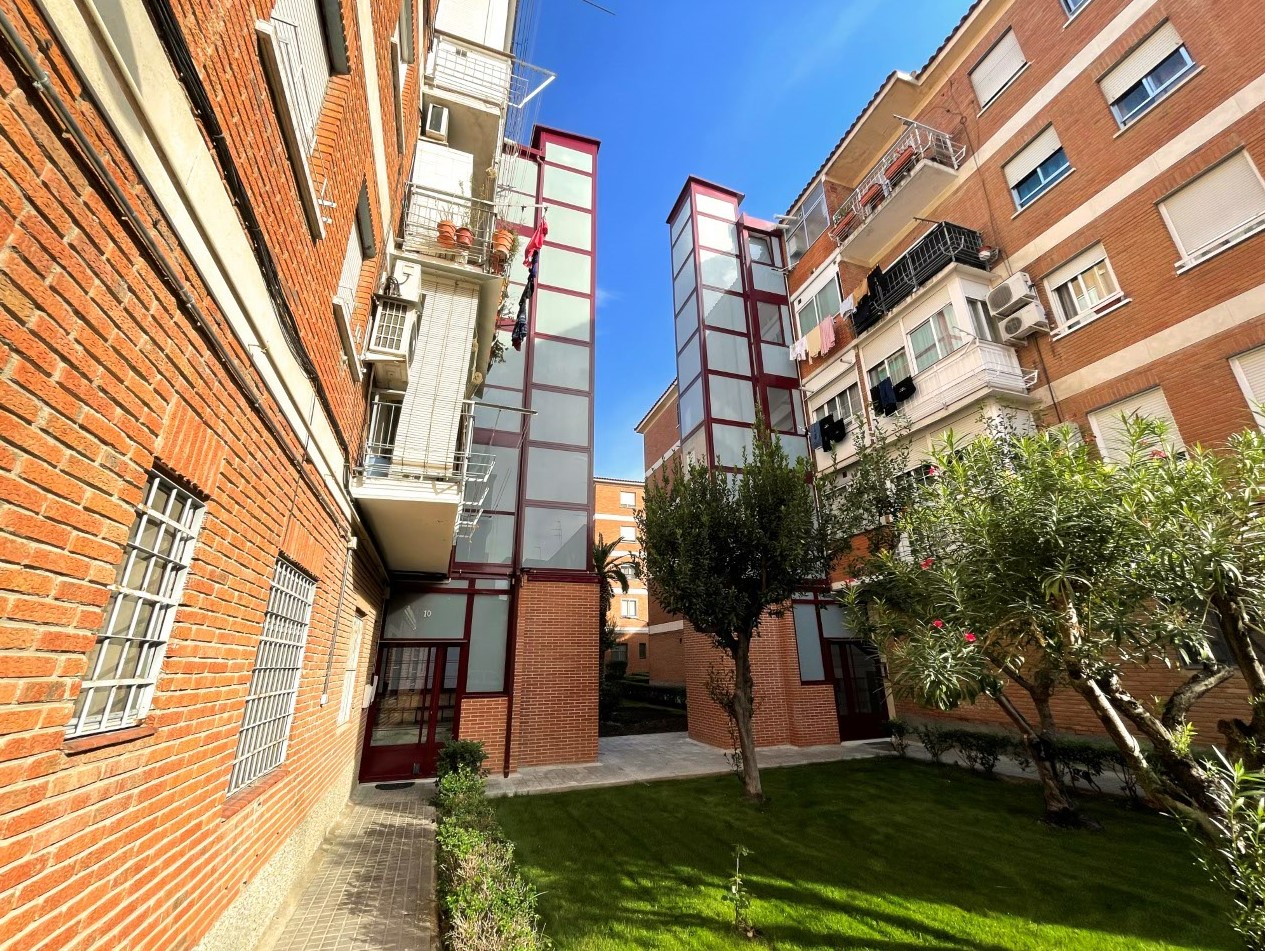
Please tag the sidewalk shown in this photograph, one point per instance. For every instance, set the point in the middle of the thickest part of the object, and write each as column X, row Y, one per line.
column 623, row 760
column 372, row 883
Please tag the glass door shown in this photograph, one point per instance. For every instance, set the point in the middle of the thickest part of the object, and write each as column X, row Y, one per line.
column 414, row 711
column 860, row 699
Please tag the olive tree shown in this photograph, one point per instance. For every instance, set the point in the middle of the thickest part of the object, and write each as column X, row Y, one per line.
column 726, row 551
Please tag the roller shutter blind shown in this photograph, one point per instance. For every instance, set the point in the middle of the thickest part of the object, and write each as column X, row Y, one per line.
column 1032, row 155
column 1214, row 205
column 1144, row 58
column 1250, row 369
column 1079, row 264
column 1109, row 426
column 997, row 68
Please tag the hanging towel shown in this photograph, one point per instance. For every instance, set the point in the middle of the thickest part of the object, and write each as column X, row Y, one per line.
column 814, row 341
column 848, row 306
column 536, row 243
column 827, row 335
column 799, row 350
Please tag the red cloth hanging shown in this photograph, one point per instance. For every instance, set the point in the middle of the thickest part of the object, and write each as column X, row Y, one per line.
column 537, row 241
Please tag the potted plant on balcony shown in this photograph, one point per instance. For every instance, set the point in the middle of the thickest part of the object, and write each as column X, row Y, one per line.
column 872, row 196
column 465, row 214
column 503, row 243
column 900, row 163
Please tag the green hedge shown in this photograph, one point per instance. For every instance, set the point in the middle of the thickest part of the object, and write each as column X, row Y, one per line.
column 486, row 904
column 1080, row 761
column 660, row 694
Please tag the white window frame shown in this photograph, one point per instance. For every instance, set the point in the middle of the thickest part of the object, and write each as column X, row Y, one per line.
column 346, row 698
column 1157, row 92
column 946, row 335
column 886, row 366
column 1122, row 407
column 1073, row 7
column 268, row 714
column 1046, row 183
column 1255, row 402
column 983, row 323
column 628, row 570
column 628, row 533
column 846, row 405
column 1083, row 263
column 815, row 306
column 625, row 609
column 1236, row 235
column 154, row 574
column 1019, row 70
column 627, row 500
column 798, row 232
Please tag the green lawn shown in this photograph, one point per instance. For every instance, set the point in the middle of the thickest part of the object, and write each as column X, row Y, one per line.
column 876, row 854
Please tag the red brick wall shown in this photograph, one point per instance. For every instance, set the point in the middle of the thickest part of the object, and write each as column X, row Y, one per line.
column 483, row 719
column 786, row 711
column 667, row 657
column 104, row 376
column 555, row 672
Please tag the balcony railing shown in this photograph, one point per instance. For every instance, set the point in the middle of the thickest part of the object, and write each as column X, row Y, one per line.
column 413, row 444
column 917, row 144
column 977, row 365
column 467, row 242
column 943, row 245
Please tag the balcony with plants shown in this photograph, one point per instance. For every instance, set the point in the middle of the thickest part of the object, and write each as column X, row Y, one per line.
column 903, row 185
column 457, row 230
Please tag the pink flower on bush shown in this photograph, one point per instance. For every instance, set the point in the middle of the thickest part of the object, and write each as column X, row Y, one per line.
column 927, row 563
column 937, row 624
column 1158, row 454
column 933, row 471
column 969, row 637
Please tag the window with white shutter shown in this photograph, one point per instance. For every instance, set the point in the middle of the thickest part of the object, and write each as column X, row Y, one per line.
column 1249, row 369
column 998, row 68
column 1110, row 424
column 1036, row 167
column 1147, row 74
column 1083, row 288
column 353, row 262
column 1219, row 208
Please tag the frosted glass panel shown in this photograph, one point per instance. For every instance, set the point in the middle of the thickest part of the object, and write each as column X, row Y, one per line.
column 719, row 235
column 808, row 643
column 561, row 364
column 509, row 373
column 569, row 270
column 695, row 448
column 519, row 174
column 686, row 322
column 777, row 360
column 498, row 420
column 489, row 623
column 691, row 408
column 687, row 363
column 412, row 614
column 795, row 447
column 774, row 323
column 556, row 538
column 572, row 158
column 502, row 485
column 728, row 353
column 683, row 283
column 560, row 417
column 833, row 622
column 719, row 270
column 768, row 279
column 714, row 206
column 556, row 475
column 570, row 227
column 567, row 186
column 781, row 410
column 492, row 542
column 561, row 315
column 731, row 399
column 684, row 245
column 729, row 444
column 680, row 221
column 724, row 310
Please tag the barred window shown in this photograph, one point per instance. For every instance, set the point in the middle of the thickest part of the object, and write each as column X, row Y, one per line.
column 123, row 665
column 274, row 683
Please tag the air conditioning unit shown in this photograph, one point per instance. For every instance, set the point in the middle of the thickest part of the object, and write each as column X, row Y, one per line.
column 1024, row 323
column 436, row 122
column 395, row 329
column 1014, row 292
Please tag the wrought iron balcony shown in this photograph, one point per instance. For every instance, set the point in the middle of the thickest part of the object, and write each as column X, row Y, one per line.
column 450, row 227
column 943, row 245
column 900, row 187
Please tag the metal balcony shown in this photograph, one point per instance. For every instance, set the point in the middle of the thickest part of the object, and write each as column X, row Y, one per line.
column 901, row 187
column 943, row 245
column 473, row 219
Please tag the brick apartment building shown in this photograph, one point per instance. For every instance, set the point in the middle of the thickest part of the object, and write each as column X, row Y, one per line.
column 1057, row 218
column 272, row 517
column 616, row 502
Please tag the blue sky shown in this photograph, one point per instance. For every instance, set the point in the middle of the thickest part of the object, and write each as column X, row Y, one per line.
column 751, row 95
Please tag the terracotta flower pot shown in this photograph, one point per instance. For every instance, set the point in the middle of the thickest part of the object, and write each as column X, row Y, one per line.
column 502, row 242
column 447, row 233
column 465, row 237
column 902, row 160
column 872, row 194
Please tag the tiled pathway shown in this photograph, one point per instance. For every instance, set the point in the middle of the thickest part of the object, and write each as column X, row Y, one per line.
column 637, row 759
column 374, row 889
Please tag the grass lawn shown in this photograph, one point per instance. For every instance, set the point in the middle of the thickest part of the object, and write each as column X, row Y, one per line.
column 879, row 854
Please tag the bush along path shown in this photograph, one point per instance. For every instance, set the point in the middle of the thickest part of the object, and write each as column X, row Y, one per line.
column 484, row 902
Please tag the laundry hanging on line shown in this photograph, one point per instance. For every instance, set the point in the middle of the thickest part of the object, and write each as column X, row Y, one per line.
column 827, row 335
column 520, row 322
column 536, row 243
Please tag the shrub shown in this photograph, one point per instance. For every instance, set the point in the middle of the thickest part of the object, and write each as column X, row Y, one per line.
column 456, row 755
column 936, row 740
column 898, row 730
column 982, row 750
column 486, row 904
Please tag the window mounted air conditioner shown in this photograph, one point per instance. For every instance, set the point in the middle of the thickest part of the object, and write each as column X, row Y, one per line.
column 1011, row 294
column 1023, row 323
column 395, row 329
column 436, row 122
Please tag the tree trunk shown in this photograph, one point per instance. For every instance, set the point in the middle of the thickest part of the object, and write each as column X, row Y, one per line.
column 1060, row 810
column 1245, row 741
column 742, row 709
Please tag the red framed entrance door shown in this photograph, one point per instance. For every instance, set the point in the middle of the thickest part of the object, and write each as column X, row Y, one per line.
column 860, row 699
column 414, row 711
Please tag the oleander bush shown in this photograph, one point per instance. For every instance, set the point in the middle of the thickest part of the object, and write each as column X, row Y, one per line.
column 456, row 755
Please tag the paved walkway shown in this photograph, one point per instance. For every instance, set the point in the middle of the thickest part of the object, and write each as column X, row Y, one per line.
column 373, row 889
column 623, row 760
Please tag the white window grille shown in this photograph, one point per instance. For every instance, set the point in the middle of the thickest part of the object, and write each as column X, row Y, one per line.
column 628, row 607
column 389, row 325
column 998, row 68
column 123, row 665
column 349, row 672
column 1221, row 207
column 274, row 683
